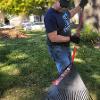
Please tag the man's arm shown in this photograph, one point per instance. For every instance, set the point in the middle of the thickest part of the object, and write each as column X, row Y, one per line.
column 78, row 8
column 58, row 38
column 75, row 10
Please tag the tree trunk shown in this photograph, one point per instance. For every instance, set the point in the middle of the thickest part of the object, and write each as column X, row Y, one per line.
column 92, row 15
column 2, row 16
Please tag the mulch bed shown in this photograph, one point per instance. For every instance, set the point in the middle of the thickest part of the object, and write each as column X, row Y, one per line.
column 12, row 33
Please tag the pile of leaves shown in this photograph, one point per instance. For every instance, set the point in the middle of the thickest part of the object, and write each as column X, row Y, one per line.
column 12, row 33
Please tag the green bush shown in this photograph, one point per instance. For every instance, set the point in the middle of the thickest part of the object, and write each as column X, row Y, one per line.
column 88, row 35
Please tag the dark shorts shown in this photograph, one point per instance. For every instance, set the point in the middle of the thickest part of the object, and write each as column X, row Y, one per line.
column 61, row 56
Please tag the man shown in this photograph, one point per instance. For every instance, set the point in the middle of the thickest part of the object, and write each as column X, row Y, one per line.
column 58, row 29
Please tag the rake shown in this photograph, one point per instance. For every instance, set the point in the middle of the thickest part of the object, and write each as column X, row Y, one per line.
column 69, row 86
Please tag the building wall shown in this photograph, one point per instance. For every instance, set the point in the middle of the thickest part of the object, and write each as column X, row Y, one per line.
column 36, row 18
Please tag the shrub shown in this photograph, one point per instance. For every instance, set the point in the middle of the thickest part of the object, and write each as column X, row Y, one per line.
column 88, row 35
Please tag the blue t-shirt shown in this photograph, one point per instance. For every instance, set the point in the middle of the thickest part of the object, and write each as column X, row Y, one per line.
column 57, row 21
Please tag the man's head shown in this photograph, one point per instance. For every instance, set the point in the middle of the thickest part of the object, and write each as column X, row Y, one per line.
column 64, row 3
column 60, row 4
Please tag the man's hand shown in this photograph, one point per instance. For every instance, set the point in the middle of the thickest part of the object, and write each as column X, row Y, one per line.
column 75, row 39
column 83, row 3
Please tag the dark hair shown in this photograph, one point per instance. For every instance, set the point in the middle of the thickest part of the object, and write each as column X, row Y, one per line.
column 64, row 3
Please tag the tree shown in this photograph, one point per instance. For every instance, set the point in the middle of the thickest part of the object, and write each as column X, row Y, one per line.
column 23, row 6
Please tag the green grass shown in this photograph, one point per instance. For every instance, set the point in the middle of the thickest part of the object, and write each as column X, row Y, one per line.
column 26, row 70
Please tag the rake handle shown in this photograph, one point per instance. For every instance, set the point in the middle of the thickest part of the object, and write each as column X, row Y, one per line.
column 73, row 55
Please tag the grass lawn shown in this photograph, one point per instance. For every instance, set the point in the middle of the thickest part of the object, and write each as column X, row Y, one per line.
column 26, row 70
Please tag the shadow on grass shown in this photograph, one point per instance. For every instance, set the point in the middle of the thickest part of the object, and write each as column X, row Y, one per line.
column 3, row 53
column 25, row 64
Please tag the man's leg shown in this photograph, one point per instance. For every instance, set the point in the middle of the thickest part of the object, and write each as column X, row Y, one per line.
column 61, row 56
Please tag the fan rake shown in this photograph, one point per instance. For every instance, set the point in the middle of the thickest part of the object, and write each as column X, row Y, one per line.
column 71, row 87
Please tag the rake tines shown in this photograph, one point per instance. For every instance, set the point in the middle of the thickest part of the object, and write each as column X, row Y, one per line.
column 69, row 95
column 70, row 88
